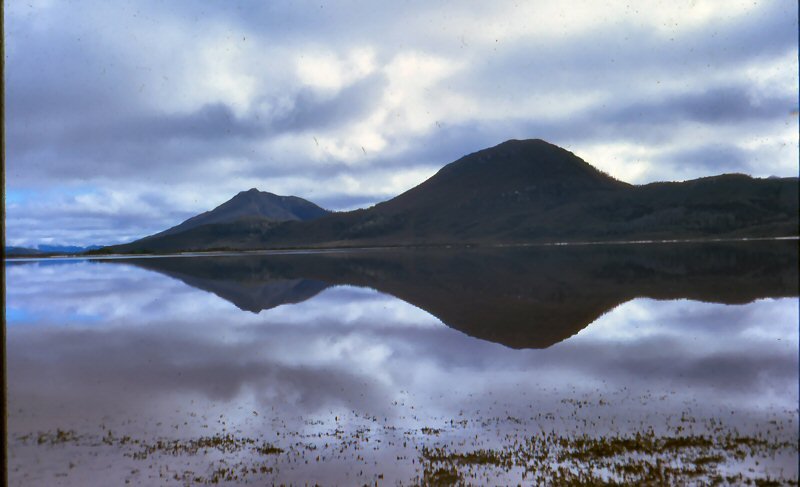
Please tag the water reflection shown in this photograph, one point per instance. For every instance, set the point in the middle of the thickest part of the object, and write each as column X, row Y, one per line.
column 522, row 298
column 326, row 346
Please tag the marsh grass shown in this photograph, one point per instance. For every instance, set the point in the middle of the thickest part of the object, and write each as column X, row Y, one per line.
column 640, row 458
column 446, row 456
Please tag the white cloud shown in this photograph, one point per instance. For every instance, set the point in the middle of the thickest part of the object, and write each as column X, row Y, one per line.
column 327, row 70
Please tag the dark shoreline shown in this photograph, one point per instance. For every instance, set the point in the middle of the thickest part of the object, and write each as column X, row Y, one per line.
column 316, row 250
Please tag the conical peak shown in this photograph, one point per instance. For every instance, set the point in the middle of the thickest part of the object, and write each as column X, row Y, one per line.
column 523, row 154
column 528, row 147
column 255, row 193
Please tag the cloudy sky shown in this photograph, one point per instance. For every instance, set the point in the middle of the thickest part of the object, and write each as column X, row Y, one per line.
column 126, row 117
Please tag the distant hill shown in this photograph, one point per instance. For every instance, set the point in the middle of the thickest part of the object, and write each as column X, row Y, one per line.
column 49, row 249
column 518, row 191
column 254, row 204
column 66, row 249
column 18, row 251
column 247, row 208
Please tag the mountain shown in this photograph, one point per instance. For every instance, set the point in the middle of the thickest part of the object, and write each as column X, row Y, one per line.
column 247, row 208
column 254, row 204
column 48, row 250
column 512, row 174
column 66, row 249
column 21, row 251
column 518, row 192
column 248, row 288
column 521, row 297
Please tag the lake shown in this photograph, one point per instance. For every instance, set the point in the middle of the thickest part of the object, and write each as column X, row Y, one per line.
column 666, row 363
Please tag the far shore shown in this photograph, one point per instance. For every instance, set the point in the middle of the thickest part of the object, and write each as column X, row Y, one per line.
column 345, row 248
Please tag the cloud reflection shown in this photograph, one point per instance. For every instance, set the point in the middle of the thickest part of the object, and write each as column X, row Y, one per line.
column 158, row 342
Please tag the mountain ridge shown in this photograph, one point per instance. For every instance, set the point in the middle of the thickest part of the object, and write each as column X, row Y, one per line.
column 48, row 249
column 518, row 191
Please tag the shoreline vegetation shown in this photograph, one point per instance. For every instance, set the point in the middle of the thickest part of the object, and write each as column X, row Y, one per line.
column 104, row 254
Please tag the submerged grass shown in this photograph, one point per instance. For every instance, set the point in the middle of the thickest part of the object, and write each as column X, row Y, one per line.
column 432, row 456
column 220, row 443
column 640, row 458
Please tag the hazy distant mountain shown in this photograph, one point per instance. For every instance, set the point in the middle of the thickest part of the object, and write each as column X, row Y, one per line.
column 14, row 251
column 43, row 249
column 519, row 191
column 66, row 249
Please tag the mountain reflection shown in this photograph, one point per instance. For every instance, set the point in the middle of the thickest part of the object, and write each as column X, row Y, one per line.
column 529, row 297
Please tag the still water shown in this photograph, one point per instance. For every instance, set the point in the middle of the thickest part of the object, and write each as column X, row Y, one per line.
column 668, row 363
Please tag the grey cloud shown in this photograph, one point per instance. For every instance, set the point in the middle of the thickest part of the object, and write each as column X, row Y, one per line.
column 709, row 158
column 637, row 120
column 640, row 122
column 643, row 120
column 69, row 222
column 171, row 144
column 212, row 121
column 715, row 105
column 64, row 75
column 83, row 231
column 349, row 21
column 626, row 59
column 311, row 111
column 218, row 121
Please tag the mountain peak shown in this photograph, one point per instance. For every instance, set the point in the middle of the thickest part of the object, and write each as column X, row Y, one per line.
column 253, row 192
column 522, row 142
column 533, row 150
column 254, row 204
column 532, row 161
column 530, row 171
